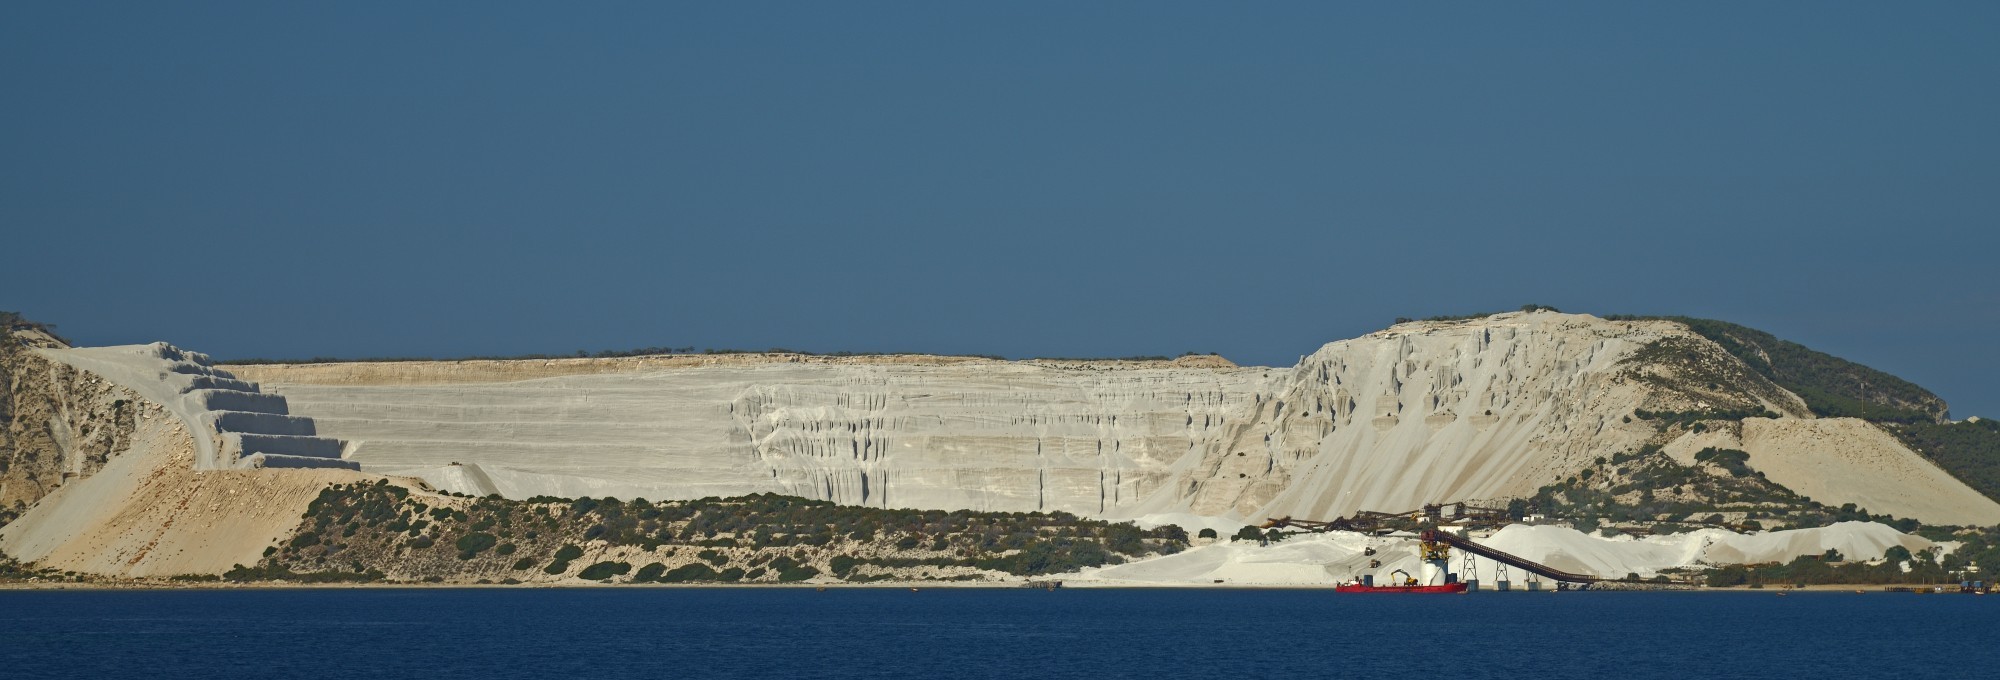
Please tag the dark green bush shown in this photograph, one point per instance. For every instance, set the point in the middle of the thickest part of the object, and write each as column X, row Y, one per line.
column 1735, row 461
column 689, row 573
column 470, row 545
column 797, row 573
column 563, row 557
column 604, row 570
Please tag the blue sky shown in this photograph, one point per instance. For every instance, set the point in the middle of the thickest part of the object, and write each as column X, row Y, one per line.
column 1020, row 179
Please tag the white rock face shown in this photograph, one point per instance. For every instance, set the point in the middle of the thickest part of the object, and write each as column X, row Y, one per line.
column 990, row 436
column 1420, row 413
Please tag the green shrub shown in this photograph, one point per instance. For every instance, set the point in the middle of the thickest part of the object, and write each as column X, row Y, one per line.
column 1125, row 538
column 1735, row 461
column 604, row 570
column 649, row 573
column 563, row 557
column 470, row 545
column 689, row 573
column 797, row 574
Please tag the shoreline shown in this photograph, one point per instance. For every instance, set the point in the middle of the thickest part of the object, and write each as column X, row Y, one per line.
column 885, row 585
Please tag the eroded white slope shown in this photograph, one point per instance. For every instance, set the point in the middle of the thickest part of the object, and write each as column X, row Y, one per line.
column 1433, row 412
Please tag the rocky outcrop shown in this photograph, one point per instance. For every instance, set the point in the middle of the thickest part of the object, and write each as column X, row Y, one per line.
column 149, row 513
column 57, row 425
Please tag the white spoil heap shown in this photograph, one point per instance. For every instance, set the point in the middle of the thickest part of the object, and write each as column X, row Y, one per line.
column 1336, row 557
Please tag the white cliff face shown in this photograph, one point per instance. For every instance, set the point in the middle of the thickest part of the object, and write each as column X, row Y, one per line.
column 1420, row 413
column 988, row 435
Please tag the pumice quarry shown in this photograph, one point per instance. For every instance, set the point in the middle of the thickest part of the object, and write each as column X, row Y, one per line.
column 1525, row 450
column 1016, row 341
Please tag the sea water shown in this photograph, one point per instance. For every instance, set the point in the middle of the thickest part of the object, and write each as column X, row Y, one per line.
column 988, row 633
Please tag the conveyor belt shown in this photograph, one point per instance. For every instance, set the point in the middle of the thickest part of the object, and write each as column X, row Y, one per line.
column 1436, row 536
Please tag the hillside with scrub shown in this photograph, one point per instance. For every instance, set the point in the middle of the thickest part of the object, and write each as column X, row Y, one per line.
column 153, row 462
